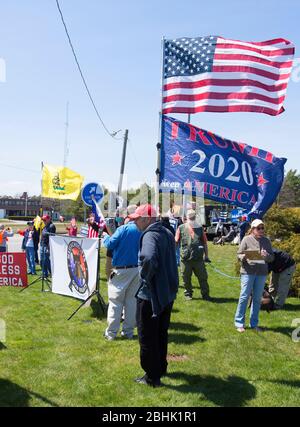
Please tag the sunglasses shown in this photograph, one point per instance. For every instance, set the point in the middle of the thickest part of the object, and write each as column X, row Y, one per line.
column 260, row 228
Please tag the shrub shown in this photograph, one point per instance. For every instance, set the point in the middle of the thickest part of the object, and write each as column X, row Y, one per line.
column 20, row 218
column 282, row 223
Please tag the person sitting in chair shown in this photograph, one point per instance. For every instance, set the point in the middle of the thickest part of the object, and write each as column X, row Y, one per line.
column 228, row 237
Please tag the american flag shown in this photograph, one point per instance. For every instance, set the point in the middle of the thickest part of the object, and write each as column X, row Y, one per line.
column 99, row 223
column 222, row 75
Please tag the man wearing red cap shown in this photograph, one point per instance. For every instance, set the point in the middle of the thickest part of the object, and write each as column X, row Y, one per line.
column 44, row 245
column 123, row 282
column 157, row 292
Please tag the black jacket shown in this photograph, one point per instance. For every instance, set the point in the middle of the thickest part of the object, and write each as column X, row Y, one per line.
column 166, row 223
column 281, row 262
column 47, row 230
column 159, row 272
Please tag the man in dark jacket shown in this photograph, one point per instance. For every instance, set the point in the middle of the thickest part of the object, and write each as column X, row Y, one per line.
column 44, row 245
column 282, row 269
column 244, row 226
column 157, row 292
column 36, row 241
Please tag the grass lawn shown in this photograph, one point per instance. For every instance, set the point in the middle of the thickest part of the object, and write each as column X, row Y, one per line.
column 49, row 361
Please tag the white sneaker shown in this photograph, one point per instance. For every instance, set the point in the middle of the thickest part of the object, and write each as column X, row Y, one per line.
column 108, row 337
column 128, row 337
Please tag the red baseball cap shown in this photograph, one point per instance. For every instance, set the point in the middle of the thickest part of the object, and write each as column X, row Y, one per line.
column 143, row 211
column 46, row 217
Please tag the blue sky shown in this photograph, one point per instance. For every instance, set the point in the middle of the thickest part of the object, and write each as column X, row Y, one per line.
column 119, row 47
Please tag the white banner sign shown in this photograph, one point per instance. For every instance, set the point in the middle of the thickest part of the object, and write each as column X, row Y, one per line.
column 73, row 265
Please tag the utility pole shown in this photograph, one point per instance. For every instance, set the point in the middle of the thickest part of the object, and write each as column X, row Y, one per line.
column 123, row 162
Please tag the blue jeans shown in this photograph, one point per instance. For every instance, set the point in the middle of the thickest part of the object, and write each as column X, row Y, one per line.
column 30, row 259
column 45, row 260
column 249, row 283
column 178, row 255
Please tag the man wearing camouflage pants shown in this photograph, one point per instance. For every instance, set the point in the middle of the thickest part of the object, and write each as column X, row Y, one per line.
column 193, row 244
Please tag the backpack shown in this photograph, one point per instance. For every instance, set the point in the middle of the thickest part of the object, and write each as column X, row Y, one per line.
column 267, row 302
column 191, row 248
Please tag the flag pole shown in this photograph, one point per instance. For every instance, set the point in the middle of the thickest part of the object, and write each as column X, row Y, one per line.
column 158, row 145
column 184, row 201
column 41, row 208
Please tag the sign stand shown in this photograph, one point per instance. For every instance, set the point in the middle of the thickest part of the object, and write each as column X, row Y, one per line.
column 41, row 278
column 96, row 291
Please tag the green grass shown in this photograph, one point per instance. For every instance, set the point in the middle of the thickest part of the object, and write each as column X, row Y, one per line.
column 47, row 360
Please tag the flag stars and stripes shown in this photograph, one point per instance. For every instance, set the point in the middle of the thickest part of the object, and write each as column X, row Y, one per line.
column 177, row 159
column 219, row 75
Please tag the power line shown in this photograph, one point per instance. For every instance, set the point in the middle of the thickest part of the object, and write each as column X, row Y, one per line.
column 111, row 134
column 16, row 167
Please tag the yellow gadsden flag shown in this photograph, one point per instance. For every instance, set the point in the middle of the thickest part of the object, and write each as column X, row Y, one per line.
column 61, row 183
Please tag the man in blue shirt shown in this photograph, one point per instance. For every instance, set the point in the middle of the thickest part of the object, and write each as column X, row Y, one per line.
column 124, row 280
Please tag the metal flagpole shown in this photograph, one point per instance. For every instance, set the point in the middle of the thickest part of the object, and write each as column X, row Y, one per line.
column 41, row 208
column 184, row 201
column 158, row 145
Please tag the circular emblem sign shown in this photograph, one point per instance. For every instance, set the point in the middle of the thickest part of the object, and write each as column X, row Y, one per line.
column 92, row 191
column 77, row 267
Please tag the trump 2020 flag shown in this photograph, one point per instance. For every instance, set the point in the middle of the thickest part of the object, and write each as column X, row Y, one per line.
column 199, row 162
column 220, row 75
column 61, row 183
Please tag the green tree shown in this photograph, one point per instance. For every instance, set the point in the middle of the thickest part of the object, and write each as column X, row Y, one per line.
column 282, row 223
column 71, row 208
column 289, row 195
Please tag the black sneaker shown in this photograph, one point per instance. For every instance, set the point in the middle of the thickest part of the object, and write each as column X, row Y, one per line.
column 188, row 297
